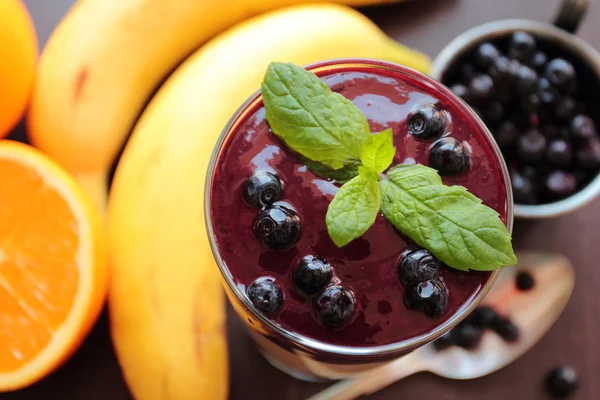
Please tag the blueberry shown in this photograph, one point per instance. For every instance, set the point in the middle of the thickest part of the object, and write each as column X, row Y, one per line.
column 429, row 297
column 522, row 187
column 522, row 46
column 539, row 60
column 266, row 295
column 561, row 184
column 417, row 266
column 467, row 335
column 461, row 91
column 550, row 131
column 334, row 306
column 445, row 341
column 583, row 127
column 494, row 112
column 561, row 382
column 588, row 156
column 546, row 92
column 561, row 74
column 530, row 102
column 532, row 146
column 524, row 281
column 500, row 69
column 506, row 329
column 483, row 317
column 312, row 275
column 507, row 134
column 449, row 156
column 565, row 107
column 486, row 54
column 263, row 189
column 481, row 88
column 467, row 71
column 278, row 227
column 559, row 153
column 427, row 122
column 526, row 80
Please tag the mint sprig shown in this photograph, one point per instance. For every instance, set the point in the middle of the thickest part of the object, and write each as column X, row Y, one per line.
column 353, row 210
column 311, row 119
column 447, row 220
column 333, row 137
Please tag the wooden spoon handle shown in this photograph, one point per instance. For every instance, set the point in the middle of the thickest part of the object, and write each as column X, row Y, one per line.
column 371, row 381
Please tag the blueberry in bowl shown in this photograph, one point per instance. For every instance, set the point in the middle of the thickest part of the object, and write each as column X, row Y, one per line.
column 537, row 87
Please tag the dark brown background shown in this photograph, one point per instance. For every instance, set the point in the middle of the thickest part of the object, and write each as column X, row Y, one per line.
column 93, row 373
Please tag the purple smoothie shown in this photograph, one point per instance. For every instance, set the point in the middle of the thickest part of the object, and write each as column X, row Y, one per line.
column 368, row 266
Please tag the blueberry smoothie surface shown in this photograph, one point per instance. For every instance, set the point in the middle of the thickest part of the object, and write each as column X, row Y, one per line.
column 368, row 266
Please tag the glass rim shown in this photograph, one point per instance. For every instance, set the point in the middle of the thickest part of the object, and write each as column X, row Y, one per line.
column 305, row 342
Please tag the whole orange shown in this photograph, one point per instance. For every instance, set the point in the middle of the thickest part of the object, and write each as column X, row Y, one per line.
column 18, row 57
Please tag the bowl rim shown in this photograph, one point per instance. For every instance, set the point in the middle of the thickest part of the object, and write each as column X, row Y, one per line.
column 306, row 343
column 466, row 40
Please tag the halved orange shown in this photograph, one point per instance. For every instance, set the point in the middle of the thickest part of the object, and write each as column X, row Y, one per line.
column 52, row 265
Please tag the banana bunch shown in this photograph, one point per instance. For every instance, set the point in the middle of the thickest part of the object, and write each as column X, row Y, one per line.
column 167, row 309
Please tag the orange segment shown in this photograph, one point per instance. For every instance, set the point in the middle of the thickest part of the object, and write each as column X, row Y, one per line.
column 52, row 265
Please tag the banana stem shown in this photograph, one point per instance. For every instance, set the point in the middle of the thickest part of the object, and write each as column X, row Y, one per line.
column 95, row 184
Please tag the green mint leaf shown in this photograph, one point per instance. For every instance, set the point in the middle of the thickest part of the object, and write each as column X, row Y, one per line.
column 353, row 210
column 447, row 220
column 378, row 151
column 341, row 175
column 368, row 173
column 311, row 119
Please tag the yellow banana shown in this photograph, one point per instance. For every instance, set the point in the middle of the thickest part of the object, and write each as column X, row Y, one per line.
column 103, row 62
column 165, row 298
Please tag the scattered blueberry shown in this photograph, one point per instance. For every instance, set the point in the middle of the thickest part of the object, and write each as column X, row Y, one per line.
column 312, row 275
column 427, row 122
column 278, row 227
column 467, row 335
column 483, row 317
column 429, row 297
column 561, row 184
column 561, row 382
column 559, row 153
column 532, row 146
column 560, row 73
column 334, row 306
column 445, row 341
column 417, row 266
column 481, row 88
column 506, row 329
column 467, row 71
column 583, row 127
column 486, row 54
column 449, row 156
column 524, row 281
column 266, row 295
column 522, row 46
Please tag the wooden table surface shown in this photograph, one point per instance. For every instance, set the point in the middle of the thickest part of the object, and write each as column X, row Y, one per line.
column 93, row 373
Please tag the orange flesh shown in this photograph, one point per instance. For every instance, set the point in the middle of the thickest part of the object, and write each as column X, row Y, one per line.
column 39, row 275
